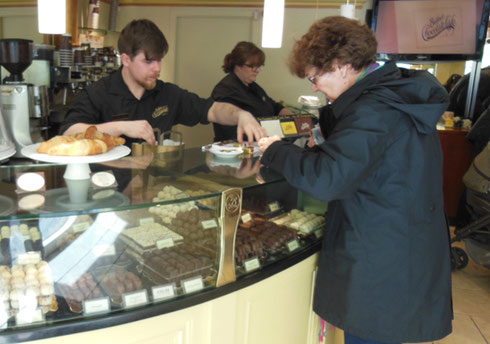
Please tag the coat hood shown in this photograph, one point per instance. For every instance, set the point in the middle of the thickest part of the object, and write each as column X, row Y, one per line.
column 414, row 92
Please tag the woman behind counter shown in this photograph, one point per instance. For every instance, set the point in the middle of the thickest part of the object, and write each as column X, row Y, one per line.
column 384, row 273
column 239, row 88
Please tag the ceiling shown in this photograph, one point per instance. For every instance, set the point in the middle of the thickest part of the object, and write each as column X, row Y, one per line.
column 210, row 3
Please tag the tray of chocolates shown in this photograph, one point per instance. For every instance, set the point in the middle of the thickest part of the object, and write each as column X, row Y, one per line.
column 302, row 221
column 199, row 227
column 274, row 237
column 247, row 246
column 176, row 263
column 84, row 288
column 17, row 240
column 117, row 281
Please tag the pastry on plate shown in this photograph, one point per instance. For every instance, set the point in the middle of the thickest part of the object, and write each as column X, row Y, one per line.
column 90, row 142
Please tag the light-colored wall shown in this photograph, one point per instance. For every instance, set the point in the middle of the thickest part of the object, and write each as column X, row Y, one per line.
column 19, row 22
column 202, row 71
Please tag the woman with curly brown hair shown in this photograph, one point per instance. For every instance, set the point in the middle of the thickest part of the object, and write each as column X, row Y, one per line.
column 384, row 272
column 239, row 87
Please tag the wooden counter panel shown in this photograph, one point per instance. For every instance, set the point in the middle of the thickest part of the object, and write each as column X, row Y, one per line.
column 458, row 155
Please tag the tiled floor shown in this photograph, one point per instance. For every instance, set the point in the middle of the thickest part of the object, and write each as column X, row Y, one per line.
column 471, row 299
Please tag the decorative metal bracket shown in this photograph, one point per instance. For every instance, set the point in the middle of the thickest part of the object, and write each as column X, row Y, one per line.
column 230, row 210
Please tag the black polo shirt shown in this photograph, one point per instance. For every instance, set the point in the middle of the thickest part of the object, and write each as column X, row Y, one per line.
column 163, row 107
column 251, row 98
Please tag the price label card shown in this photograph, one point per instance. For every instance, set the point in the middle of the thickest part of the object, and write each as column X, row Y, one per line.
column 80, row 227
column 96, row 306
column 146, row 221
column 192, row 284
column 293, row 245
column 164, row 292
column 168, row 242
column 30, row 181
column 318, row 233
column 27, row 317
column 246, row 217
column 135, row 298
column 251, row 264
column 274, row 206
column 103, row 179
column 208, row 224
column 104, row 250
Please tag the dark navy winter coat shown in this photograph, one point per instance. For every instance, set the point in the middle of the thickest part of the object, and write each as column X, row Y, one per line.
column 384, row 272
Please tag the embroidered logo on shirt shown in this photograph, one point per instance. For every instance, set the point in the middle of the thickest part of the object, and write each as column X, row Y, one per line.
column 159, row 111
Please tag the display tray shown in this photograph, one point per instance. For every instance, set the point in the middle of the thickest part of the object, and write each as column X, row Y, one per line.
column 272, row 236
column 19, row 239
column 85, row 288
column 116, row 281
column 114, row 154
column 177, row 263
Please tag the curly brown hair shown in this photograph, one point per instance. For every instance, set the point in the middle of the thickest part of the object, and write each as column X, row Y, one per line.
column 241, row 53
column 331, row 41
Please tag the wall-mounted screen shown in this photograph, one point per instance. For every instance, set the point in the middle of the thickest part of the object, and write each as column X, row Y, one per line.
column 431, row 30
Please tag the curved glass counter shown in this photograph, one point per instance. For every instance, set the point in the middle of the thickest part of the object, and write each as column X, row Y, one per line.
column 144, row 235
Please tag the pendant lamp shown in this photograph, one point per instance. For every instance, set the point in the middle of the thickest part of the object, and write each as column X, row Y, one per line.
column 348, row 10
column 273, row 23
column 51, row 16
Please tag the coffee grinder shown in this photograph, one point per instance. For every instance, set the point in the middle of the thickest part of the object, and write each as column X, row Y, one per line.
column 16, row 96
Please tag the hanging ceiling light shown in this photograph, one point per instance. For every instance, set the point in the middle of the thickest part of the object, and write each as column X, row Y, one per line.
column 51, row 16
column 348, row 10
column 273, row 23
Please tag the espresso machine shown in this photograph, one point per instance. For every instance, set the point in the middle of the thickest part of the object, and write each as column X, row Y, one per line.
column 21, row 104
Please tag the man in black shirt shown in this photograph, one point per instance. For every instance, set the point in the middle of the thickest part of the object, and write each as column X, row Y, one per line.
column 134, row 90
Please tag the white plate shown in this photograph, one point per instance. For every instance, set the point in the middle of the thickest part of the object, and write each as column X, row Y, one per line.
column 114, row 154
column 6, row 152
column 225, row 152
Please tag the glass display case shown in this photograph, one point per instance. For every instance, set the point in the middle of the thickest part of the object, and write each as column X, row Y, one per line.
column 143, row 235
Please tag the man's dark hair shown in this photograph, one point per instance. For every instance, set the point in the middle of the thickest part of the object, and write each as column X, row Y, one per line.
column 142, row 35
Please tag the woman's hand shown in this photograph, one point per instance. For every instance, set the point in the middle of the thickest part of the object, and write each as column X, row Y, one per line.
column 265, row 142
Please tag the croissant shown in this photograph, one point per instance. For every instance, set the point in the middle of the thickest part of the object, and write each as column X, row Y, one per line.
column 90, row 142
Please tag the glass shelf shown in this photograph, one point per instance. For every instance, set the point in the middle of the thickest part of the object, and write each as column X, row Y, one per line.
column 99, row 32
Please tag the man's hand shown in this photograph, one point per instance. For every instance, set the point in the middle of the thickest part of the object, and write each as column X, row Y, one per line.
column 265, row 142
column 228, row 114
column 138, row 130
column 248, row 125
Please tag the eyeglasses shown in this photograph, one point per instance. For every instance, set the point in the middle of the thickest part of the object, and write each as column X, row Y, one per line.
column 313, row 78
column 254, row 68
